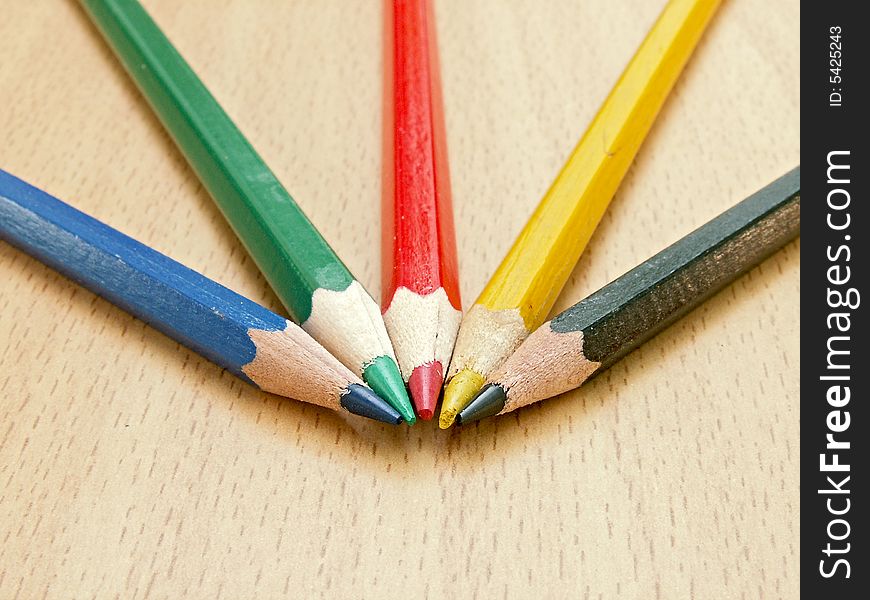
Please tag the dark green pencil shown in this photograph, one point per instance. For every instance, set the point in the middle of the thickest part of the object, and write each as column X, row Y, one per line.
column 596, row 332
column 306, row 274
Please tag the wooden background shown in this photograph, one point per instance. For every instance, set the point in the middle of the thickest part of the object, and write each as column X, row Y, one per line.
column 131, row 468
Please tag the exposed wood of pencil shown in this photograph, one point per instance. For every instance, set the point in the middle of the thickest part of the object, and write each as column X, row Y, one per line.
column 421, row 301
column 309, row 278
column 526, row 284
column 599, row 330
column 247, row 339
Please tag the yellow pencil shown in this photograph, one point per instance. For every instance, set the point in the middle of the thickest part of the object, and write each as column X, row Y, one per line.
column 525, row 286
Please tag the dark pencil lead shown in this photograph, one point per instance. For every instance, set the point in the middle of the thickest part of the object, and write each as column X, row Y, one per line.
column 361, row 401
column 488, row 402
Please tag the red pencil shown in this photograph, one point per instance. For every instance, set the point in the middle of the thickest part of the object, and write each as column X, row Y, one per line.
column 421, row 303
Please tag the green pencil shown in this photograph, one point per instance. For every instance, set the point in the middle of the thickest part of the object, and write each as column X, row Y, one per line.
column 315, row 286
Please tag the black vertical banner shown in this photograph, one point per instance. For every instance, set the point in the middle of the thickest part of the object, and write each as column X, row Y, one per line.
column 835, row 363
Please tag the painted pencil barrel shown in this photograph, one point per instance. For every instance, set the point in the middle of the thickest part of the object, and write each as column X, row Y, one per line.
column 546, row 251
column 653, row 295
column 596, row 332
column 257, row 206
column 237, row 334
column 418, row 243
column 125, row 273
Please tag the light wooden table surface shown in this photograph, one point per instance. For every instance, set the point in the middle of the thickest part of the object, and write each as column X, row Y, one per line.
column 131, row 468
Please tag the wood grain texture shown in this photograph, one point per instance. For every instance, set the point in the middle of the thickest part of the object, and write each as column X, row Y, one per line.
column 151, row 474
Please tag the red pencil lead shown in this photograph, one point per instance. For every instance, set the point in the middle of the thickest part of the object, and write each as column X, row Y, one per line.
column 425, row 385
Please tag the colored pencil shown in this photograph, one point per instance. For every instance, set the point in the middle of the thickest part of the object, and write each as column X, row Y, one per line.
column 312, row 282
column 255, row 344
column 421, row 304
column 525, row 286
column 596, row 332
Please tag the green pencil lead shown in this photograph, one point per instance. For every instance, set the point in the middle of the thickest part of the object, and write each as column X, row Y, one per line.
column 383, row 376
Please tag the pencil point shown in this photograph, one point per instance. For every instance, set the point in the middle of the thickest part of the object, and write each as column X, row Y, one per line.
column 362, row 401
column 488, row 402
column 425, row 384
column 459, row 391
column 382, row 375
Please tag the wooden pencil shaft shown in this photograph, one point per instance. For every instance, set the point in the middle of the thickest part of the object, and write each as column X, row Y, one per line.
column 420, row 292
column 536, row 268
column 292, row 255
column 632, row 309
column 418, row 245
column 188, row 307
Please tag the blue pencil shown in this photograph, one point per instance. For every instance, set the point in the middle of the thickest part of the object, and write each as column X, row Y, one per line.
column 255, row 344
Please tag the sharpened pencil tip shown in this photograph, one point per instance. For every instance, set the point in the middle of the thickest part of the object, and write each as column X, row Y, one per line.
column 459, row 391
column 382, row 375
column 425, row 384
column 488, row 402
column 362, row 401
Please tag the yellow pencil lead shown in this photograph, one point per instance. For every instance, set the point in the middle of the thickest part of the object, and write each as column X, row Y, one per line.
column 460, row 390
